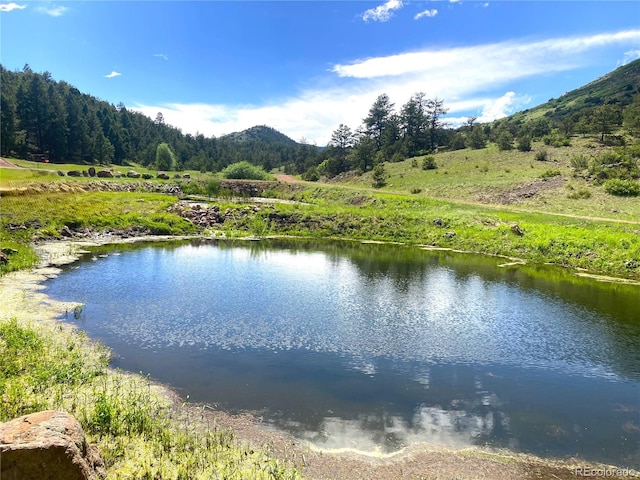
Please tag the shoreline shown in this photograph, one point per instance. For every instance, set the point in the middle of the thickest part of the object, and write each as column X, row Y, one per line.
column 23, row 298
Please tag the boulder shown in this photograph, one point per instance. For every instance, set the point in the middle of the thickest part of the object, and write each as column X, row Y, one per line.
column 74, row 173
column 147, row 176
column 186, row 175
column 92, row 171
column 517, row 229
column 162, row 176
column 48, row 445
column 133, row 174
column 104, row 173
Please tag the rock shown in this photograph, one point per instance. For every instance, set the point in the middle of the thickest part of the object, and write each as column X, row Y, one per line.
column 92, row 171
column 162, row 176
column 48, row 445
column 8, row 250
column 147, row 176
column 104, row 173
column 4, row 259
column 515, row 228
column 133, row 174
column 449, row 235
column 186, row 175
column 66, row 232
column 60, row 173
column 438, row 222
column 74, row 173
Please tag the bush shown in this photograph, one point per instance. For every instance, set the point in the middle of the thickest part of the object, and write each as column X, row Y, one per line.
column 542, row 155
column 578, row 194
column 579, row 162
column 550, row 173
column 505, row 141
column 622, row 188
column 379, row 176
column 429, row 163
column 524, row 143
column 244, row 171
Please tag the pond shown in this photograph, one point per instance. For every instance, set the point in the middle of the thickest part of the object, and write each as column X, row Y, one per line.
column 376, row 347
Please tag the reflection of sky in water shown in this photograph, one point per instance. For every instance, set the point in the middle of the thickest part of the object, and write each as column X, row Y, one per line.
column 231, row 299
column 401, row 334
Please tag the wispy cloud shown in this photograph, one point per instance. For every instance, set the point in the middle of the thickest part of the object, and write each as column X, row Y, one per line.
column 7, row 7
column 630, row 56
column 161, row 55
column 427, row 13
column 113, row 74
column 53, row 10
column 383, row 12
column 474, row 80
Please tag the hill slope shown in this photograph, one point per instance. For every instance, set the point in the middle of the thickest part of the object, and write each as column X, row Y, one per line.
column 617, row 88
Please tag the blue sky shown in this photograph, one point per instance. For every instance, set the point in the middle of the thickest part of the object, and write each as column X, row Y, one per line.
column 216, row 67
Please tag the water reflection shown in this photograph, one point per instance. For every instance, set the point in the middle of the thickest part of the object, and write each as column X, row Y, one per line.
column 384, row 346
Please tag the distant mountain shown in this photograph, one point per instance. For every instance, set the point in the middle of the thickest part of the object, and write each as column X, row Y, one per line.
column 260, row 133
column 617, row 87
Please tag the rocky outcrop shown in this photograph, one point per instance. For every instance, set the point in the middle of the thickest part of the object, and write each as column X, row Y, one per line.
column 47, row 445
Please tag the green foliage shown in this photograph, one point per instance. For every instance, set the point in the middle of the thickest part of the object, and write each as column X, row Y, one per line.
column 622, row 188
column 505, row 140
column 379, row 176
column 550, row 173
column 244, row 171
column 579, row 162
column 542, row 155
column 582, row 193
column 429, row 163
column 165, row 158
column 524, row 143
column 610, row 164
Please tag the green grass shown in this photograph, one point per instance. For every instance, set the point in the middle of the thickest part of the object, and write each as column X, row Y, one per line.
column 488, row 176
column 45, row 366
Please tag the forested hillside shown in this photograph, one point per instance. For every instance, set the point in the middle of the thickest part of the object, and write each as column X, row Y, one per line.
column 48, row 119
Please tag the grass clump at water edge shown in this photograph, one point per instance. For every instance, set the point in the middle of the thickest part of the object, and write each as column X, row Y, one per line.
column 138, row 432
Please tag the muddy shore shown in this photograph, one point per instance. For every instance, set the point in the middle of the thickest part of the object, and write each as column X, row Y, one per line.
column 22, row 297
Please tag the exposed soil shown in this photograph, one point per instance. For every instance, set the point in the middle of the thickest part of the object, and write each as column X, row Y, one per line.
column 524, row 192
column 22, row 297
column 4, row 163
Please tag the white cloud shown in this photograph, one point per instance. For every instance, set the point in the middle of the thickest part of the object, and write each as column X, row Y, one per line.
column 508, row 57
column 54, row 11
column 161, row 55
column 113, row 74
column 427, row 13
column 383, row 12
column 630, row 56
column 7, row 7
column 472, row 80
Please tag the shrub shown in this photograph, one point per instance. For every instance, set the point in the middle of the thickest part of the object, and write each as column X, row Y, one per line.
column 524, row 143
column 579, row 162
column 505, row 141
column 578, row 194
column 415, row 191
column 429, row 163
column 550, row 173
column 542, row 155
column 622, row 188
column 379, row 176
column 244, row 171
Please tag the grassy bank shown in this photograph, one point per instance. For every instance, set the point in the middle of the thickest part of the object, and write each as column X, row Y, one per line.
column 598, row 246
column 138, row 431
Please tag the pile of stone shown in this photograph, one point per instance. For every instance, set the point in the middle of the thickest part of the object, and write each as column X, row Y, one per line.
column 206, row 216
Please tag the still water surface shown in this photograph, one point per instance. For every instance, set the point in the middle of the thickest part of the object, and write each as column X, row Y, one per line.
column 375, row 347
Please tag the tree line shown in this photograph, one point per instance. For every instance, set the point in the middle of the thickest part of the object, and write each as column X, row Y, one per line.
column 44, row 118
